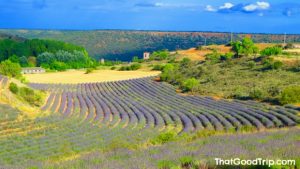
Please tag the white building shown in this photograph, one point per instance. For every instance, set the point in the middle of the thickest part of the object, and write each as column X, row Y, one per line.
column 33, row 70
column 146, row 55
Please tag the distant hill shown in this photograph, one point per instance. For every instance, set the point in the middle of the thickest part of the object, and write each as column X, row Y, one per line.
column 123, row 45
column 12, row 37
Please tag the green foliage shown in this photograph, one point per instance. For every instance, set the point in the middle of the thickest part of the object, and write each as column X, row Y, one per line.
column 62, row 60
column 160, row 55
column 164, row 137
column 271, row 64
column 290, row 95
column 33, row 97
column 245, row 47
column 227, row 56
column 191, row 84
column 34, row 47
column 213, row 57
column 166, row 164
column 256, row 94
column 158, row 67
column 269, row 51
column 125, row 44
column 132, row 67
column 188, row 162
column 13, row 88
column 14, row 59
column 10, row 69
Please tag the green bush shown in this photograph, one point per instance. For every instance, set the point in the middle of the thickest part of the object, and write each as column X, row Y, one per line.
column 214, row 57
column 10, row 69
column 227, row 56
column 256, row 94
column 34, row 98
column 190, row 84
column 290, row 95
column 158, row 67
column 13, row 88
column 277, row 65
column 134, row 66
column 269, row 51
column 160, row 55
column 166, row 164
column 165, row 137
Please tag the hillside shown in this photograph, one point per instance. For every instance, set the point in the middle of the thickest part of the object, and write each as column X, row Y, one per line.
column 123, row 45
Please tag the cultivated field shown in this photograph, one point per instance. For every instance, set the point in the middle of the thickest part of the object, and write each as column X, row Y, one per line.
column 144, row 103
column 77, row 76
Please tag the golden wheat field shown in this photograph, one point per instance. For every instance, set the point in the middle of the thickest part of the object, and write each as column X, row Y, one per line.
column 79, row 76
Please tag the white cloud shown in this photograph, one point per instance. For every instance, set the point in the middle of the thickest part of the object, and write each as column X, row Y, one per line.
column 263, row 5
column 210, row 8
column 257, row 6
column 227, row 5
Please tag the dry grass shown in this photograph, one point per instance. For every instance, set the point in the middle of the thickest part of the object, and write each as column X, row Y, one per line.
column 199, row 55
column 78, row 76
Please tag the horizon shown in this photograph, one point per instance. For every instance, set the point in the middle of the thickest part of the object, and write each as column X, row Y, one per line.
column 140, row 30
column 249, row 16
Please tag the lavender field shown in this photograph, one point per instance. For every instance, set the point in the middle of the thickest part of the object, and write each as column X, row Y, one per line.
column 144, row 103
column 141, row 123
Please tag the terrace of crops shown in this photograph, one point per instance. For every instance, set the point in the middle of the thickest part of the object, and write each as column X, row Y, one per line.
column 145, row 103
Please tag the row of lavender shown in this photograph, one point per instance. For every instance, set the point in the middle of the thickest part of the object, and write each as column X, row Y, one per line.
column 146, row 103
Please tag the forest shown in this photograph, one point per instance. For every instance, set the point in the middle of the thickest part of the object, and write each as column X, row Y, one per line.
column 123, row 45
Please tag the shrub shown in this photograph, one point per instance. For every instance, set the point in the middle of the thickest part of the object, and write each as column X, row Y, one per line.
column 213, row 57
column 134, row 66
column 89, row 70
column 190, row 85
column 227, row 56
column 187, row 162
column 269, row 51
column 160, row 55
column 165, row 164
column 13, row 88
column 10, row 69
column 158, row 67
column 165, row 137
column 251, row 64
column 290, row 95
column 256, row 94
column 277, row 65
column 32, row 97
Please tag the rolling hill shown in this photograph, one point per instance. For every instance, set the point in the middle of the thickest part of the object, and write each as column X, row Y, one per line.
column 123, row 45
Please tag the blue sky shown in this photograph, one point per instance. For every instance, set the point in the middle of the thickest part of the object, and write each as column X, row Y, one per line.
column 272, row 16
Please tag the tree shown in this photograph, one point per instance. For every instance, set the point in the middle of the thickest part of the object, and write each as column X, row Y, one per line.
column 23, row 61
column 191, row 85
column 245, row 47
column 10, row 69
column 14, row 59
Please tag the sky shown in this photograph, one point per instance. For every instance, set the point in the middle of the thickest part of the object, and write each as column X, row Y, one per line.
column 249, row 16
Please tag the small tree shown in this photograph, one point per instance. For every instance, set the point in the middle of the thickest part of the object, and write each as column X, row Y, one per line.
column 191, row 84
column 135, row 59
column 290, row 95
column 245, row 47
column 10, row 69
